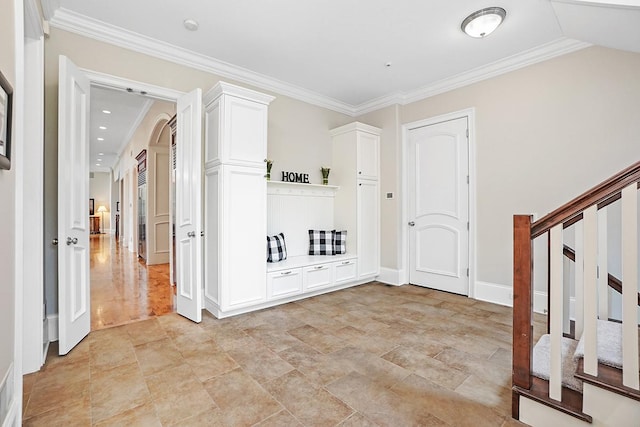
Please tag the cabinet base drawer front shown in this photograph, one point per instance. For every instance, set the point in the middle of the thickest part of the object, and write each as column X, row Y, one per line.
column 346, row 271
column 284, row 283
column 317, row 276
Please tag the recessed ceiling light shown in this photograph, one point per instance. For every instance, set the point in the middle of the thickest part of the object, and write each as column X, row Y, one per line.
column 106, row 111
column 103, row 127
column 101, row 154
column 483, row 22
column 97, row 164
column 99, row 160
column 100, row 139
column 191, row 24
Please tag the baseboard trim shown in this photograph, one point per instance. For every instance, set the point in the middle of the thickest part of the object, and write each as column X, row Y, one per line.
column 540, row 302
column 9, row 404
column 390, row 276
column 494, row 293
column 52, row 329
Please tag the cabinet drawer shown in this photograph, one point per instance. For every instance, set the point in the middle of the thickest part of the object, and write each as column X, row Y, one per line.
column 284, row 283
column 345, row 271
column 317, row 276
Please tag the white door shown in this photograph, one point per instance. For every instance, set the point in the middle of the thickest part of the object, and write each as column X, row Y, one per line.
column 189, row 205
column 438, row 170
column 73, row 211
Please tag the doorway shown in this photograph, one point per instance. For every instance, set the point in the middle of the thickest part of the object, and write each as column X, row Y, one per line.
column 131, row 282
column 73, row 193
column 439, row 203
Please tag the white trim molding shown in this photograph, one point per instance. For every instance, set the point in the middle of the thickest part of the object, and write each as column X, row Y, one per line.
column 70, row 21
column 52, row 325
column 494, row 293
column 541, row 53
column 390, row 276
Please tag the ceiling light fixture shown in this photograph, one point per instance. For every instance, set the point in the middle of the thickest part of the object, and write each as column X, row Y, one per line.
column 483, row 22
column 106, row 111
column 103, row 127
column 100, row 139
column 191, row 24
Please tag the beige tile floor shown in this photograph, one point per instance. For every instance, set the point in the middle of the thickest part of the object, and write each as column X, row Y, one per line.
column 372, row 355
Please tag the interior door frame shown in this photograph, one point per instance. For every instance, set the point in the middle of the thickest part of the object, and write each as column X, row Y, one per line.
column 403, row 228
column 98, row 79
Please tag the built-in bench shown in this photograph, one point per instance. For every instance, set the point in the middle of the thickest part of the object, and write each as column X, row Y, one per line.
column 304, row 274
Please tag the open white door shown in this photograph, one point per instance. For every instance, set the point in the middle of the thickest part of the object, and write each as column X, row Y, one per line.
column 73, row 213
column 189, row 205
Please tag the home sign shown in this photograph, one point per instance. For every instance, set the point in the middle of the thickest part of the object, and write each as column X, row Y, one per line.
column 295, row 177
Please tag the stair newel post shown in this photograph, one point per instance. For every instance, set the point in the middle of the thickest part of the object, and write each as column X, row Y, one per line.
column 522, row 305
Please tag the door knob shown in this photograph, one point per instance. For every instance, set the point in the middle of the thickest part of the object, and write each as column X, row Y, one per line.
column 54, row 242
column 412, row 223
column 191, row 234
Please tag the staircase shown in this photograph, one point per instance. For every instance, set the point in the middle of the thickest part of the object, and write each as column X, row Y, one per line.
column 585, row 370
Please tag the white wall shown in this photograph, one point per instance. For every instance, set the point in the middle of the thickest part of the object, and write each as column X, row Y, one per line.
column 544, row 134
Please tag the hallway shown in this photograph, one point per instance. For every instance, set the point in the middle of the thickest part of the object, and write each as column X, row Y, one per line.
column 124, row 289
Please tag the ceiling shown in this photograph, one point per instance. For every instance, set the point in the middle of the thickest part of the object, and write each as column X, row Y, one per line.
column 352, row 56
column 126, row 111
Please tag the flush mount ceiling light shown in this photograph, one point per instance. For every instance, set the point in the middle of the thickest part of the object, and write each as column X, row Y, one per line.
column 483, row 22
column 190, row 24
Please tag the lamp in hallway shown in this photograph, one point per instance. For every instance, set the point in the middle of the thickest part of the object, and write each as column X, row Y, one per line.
column 102, row 209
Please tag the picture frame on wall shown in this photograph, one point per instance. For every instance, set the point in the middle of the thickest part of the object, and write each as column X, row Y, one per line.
column 6, row 107
column 92, row 204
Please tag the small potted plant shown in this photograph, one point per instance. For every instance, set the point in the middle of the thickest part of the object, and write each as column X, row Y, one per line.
column 269, row 164
column 325, row 175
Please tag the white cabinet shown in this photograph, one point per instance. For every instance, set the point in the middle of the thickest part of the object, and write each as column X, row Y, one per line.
column 367, row 155
column 355, row 169
column 317, row 276
column 285, row 283
column 235, row 198
column 345, row 271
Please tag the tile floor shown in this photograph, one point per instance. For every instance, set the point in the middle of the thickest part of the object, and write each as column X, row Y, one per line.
column 372, row 355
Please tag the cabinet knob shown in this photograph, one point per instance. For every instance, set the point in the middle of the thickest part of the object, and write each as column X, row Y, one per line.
column 285, row 273
column 319, row 267
column 359, row 172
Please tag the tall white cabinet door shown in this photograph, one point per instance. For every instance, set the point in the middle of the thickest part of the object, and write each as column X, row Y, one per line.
column 189, row 205
column 368, row 228
column 367, row 159
column 244, row 234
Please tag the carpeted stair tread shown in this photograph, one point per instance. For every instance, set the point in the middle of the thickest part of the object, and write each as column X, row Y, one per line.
column 542, row 361
column 609, row 344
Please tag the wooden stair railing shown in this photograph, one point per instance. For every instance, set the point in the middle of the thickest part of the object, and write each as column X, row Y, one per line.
column 524, row 231
column 613, row 281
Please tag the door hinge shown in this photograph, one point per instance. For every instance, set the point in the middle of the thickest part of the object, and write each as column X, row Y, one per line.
column 467, row 225
column 467, row 272
column 467, row 133
column 467, row 179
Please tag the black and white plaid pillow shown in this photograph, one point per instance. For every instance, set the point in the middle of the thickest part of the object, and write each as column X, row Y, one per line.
column 339, row 239
column 276, row 248
column 320, row 242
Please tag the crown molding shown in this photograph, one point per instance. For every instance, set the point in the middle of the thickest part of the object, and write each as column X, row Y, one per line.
column 70, row 21
column 88, row 27
column 532, row 56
